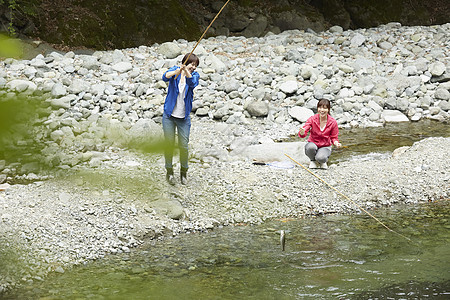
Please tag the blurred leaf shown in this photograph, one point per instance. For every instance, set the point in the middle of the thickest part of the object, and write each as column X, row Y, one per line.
column 155, row 146
column 10, row 47
column 21, row 119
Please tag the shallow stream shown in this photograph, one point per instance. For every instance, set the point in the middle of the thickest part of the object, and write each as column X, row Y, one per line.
column 379, row 142
column 331, row 257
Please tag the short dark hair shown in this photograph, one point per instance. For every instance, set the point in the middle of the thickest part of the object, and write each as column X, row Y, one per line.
column 192, row 59
column 324, row 102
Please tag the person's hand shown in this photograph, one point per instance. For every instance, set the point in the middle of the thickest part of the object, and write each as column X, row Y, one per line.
column 188, row 69
column 337, row 144
column 176, row 73
column 301, row 131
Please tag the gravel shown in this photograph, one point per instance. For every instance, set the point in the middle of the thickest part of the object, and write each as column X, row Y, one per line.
column 105, row 198
column 81, row 215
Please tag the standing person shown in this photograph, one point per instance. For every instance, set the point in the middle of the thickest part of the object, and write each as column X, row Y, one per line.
column 324, row 134
column 177, row 108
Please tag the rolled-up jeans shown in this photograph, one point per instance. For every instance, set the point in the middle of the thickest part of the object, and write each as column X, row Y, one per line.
column 183, row 128
column 315, row 153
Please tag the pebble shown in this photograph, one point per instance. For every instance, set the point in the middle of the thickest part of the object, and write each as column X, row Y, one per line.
column 105, row 101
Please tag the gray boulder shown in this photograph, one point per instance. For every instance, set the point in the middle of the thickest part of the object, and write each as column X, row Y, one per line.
column 442, row 94
column 169, row 50
column 273, row 152
column 258, row 109
column 171, row 208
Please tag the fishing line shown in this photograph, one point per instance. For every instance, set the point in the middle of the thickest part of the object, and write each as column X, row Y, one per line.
column 375, row 218
column 204, row 32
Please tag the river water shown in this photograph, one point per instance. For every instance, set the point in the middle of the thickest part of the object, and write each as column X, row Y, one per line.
column 328, row 257
column 331, row 257
column 379, row 142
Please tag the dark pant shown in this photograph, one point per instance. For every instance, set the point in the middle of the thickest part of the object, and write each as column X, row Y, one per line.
column 317, row 154
column 183, row 127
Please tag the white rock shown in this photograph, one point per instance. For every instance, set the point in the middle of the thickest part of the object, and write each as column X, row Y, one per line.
column 289, row 87
column 132, row 163
column 346, row 68
column 336, row 29
column 385, row 45
column 442, row 94
column 215, row 63
column 19, row 85
column 394, row 116
column 4, row 187
column 63, row 102
column 301, row 114
column 357, row 40
column 266, row 140
column 59, row 90
column 169, row 50
column 122, row 67
column 273, row 152
column 437, row 68
column 375, row 106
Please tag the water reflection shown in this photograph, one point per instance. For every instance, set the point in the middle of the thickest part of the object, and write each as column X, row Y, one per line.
column 379, row 142
column 330, row 257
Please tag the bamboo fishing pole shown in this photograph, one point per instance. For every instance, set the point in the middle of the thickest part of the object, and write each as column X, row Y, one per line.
column 361, row 208
column 204, row 32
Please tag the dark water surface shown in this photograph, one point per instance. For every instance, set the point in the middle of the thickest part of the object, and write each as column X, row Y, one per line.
column 330, row 257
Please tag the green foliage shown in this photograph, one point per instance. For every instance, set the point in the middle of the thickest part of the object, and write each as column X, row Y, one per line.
column 136, row 185
column 16, row 7
column 21, row 137
column 13, row 259
column 9, row 47
column 12, row 5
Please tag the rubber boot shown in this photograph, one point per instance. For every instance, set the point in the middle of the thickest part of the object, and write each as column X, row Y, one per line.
column 169, row 177
column 183, row 173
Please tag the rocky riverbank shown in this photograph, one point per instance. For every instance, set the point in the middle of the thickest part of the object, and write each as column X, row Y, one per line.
column 372, row 76
column 49, row 226
column 106, row 199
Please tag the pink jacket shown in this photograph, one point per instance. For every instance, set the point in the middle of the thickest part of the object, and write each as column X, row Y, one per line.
column 324, row 138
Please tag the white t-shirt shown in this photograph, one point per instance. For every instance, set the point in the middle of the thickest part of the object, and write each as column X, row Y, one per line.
column 179, row 110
